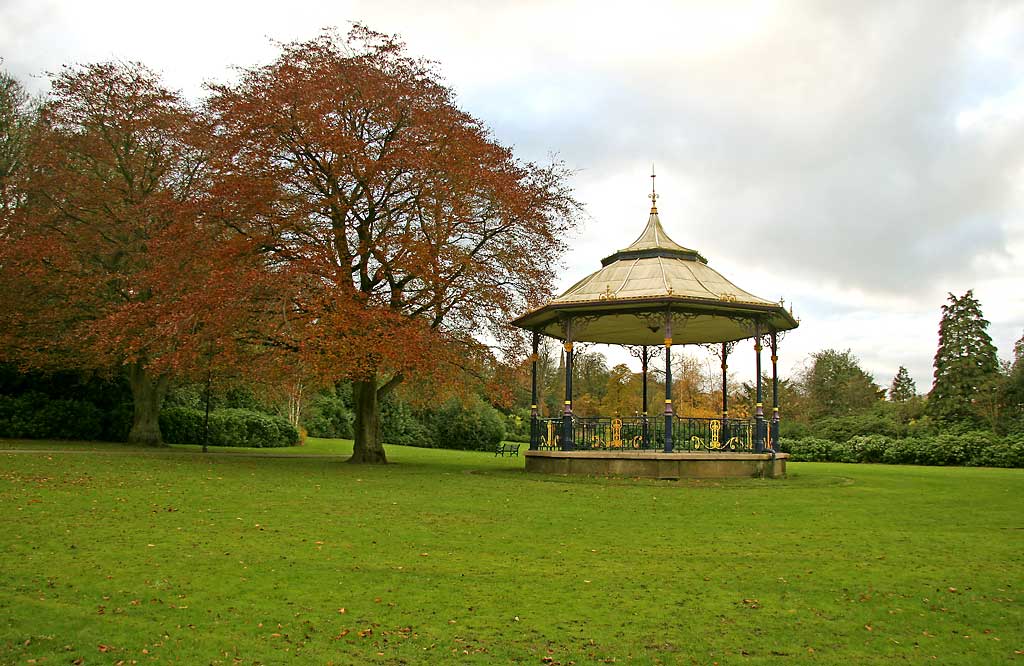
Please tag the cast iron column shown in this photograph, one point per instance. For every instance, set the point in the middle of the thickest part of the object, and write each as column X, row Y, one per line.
column 533, row 400
column 759, row 405
column 643, row 365
column 567, row 438
column 774, row 438
column 668, row 385
column 725, row 393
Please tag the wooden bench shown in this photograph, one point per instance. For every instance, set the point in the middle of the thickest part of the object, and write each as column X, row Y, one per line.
column 507, row 448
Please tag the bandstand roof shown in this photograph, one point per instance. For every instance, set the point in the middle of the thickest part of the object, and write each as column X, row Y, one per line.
column 637, row 288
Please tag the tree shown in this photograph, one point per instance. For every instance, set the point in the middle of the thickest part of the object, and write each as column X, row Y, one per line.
column 112, row 261
column 17, row 113
column 414, row 235
column 1012, row 391
column 692, row 388
column 903, row 387
column 965, row 361
column 836, row 385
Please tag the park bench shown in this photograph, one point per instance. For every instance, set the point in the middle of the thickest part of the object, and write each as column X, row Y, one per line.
column 506, row 448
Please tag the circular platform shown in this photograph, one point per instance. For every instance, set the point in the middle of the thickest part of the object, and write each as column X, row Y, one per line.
column 657, row 465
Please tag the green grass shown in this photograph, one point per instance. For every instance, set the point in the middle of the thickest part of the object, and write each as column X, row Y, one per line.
column 110, row 555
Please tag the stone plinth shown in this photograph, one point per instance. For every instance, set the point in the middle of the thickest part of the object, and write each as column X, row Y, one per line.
column 653, row 464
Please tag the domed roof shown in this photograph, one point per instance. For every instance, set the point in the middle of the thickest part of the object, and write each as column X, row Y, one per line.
column 652, row 279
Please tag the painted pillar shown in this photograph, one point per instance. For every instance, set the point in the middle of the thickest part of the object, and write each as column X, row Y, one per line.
column 644, row 358
column 668, row 384
column 533, row 392
column 567, row 434
column 759, row 432
column 774, row 432
column 725, row 393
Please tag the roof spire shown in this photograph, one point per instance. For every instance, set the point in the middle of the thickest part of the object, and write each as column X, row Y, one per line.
column 653, row 196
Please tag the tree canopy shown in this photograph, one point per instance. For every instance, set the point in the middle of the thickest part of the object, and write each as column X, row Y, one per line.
column 114, row 259
column 836, row 385
column 413, row 235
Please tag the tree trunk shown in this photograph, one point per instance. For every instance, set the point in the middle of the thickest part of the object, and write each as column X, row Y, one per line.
column 367, row 448
column 147, row 395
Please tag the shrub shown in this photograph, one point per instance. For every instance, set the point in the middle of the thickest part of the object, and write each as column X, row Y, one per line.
column 808, row 449
column 35, row 416
column 228, row 427
column 865, row 448
column 843, row 428
column 328, row 416
column 474, row 427
column 972, row 447
column 517, row 426
column 401, row 426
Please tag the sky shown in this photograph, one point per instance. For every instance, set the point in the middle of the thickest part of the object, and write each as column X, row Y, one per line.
column 861, row 160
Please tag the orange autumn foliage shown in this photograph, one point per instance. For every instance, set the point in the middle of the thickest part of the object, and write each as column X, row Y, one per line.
column 410, row 235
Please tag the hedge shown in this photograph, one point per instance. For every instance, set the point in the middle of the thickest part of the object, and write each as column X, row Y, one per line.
column 228, row 427
column 36, row 416
column 973, row 448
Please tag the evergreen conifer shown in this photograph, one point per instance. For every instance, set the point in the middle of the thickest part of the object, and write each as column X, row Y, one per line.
column 964, row 362
column 903, row 387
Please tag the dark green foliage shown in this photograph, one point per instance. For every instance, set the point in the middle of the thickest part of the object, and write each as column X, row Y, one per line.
column 974, row 448
column 903, row 387
column 400, row 425
column 1012, row 394
column 475, row 427
column 75, row 402
column 965, row 361
column 842, row 428
column 35, row 416
column 328, row 415
column 517, row 426
column 837, row 386
column 228, row 427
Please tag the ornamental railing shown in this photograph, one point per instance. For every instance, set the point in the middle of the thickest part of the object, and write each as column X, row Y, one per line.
column 600, row 433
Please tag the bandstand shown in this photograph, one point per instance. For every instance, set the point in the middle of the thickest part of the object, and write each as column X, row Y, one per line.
column 648, row 297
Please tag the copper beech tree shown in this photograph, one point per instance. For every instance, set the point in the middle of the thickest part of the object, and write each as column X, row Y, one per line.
column 115, row 258
column 412, row 235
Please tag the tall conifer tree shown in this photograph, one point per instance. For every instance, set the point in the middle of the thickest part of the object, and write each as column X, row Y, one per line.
column 965, row 361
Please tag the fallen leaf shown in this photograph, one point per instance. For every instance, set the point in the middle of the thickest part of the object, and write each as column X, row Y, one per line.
column 342, row 611
column 103, row 648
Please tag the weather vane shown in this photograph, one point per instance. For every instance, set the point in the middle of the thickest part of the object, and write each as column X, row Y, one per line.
column 653, row 195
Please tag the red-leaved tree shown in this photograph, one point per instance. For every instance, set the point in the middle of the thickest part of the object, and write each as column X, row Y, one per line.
column 411, row 235
column 116, row 258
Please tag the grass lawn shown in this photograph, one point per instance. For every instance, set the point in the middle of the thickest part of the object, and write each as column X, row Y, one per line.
column 111, row 555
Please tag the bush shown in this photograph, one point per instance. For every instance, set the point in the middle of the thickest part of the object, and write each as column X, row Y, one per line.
column 517, row 426
column 974, row 447
column 843, row 428
column 808, row 449
column 328, row 416
column 401, row 426
column 1008, row 452
column 475, row 427
column 35, row 416
column 228, row 427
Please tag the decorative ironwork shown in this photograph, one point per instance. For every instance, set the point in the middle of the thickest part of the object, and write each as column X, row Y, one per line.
column 638, row 433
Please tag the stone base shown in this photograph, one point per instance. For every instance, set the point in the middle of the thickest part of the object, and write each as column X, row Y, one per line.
column 656, row 465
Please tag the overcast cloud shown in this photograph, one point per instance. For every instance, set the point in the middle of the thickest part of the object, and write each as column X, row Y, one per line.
column 860, row 159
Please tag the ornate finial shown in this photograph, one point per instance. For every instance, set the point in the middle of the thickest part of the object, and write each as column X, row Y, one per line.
column 653, row 196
